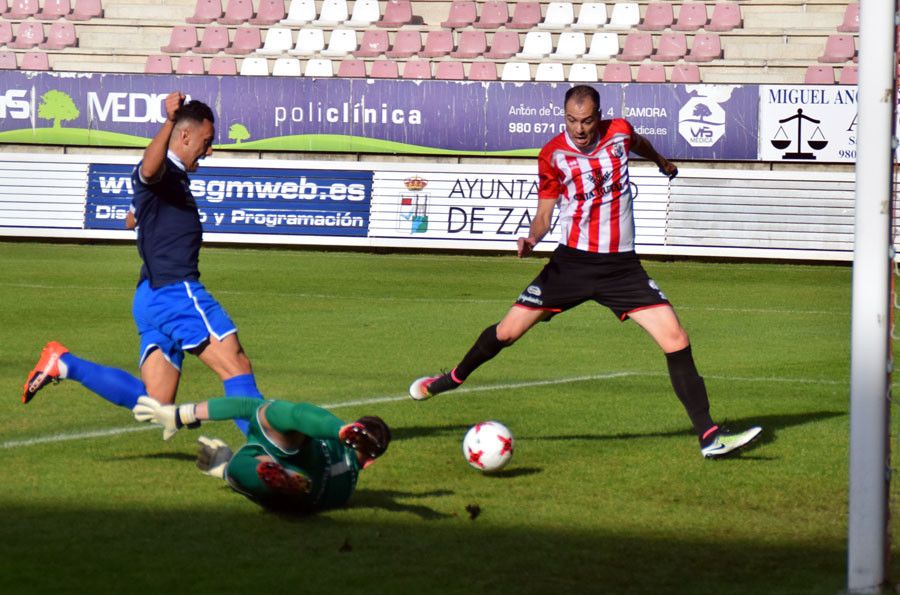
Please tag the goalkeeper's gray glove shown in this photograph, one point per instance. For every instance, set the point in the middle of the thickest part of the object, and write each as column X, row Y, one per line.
column 170, row 417
column 213, row 456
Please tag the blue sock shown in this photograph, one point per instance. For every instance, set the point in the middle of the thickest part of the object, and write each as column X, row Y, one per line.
column 115, row 385
column 242, row 386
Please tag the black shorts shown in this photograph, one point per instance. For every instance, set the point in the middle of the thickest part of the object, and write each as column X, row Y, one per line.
column 617, row 281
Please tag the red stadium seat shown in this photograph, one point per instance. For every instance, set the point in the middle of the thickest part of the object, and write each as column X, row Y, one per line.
column 406, row 43
column 504, row 45
column 374, row 43
column 215, row 40
column 28, row 35
column 616, row 72
column 850, row 23
column 691, row 16
column 35, row 61
column 396, row 14
column 182, row 39
column 849, row 75
column 651, row 73
column 685, row 73
column 22, row 9
column 637, row 47
column 819, row 75
column 158, row 64
column 494, row 14
column 384, row 69
column 672, row 47
column 54, row 9
column 438, row 43
column 725, row 17
column 417, row 69
column 483, row 71
column 6, row 34
column 246, row 40
column 237, row 12
column 86, row 10
column 4, row 8
column 462, row 14
column 223, row 66
column 205, row 12
column 269, row 12
column 659, row 16
column 705, row 48
column 450, row 70
column 470, row 44
column 838, row 48
column 61, row 35
column 190, row 65
column 526, row 15
column 352, row 69
column 8, row 60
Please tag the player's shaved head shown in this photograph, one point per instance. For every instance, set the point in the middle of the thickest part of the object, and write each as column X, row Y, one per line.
column 581, row 93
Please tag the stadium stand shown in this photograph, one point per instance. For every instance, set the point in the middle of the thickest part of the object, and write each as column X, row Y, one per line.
column 278, row 40
column 352, row 68
column 725, row 17
column 254, row 66
column 237, row 12
column 838, row 48
column 246, row 40
column 659, row 16
column 182, row 39
column 374, row 43
column 158, row 64
column 396, row 14
column 685, row 73
column 223, row 66
column 638, row 46
column 6, row 34
column 591, row 15
column 504, row 45
column 22, row 9
column 625, row 15
column 269, row 12
column 384, row 69
column 560, row 15
column 616, row 72
column 53, row 9
column 849, row 75
column 570, row 45
column 483, row 71
column 494, row 14
column 537, row 45
column 309, row 42
column 34, row 61
column 603, row 47
column 449, row 71
column 515, row 71
column 462, row 14
column 550, row 72
column 583, row 73
column 60, row 36
column 672, row 47
column 286, row 67
column 8, row 60
column 29, row 34
column 850, row 23
column 215, row 40
column 206, row 12
column 526, row 15
column 365, row 12
column 300, row 12
column 406, row 44
column 819, row 75
column 691, row 16
column 651, row 73
column 472, row 44
column 416, row 69
column 319, row 68
column 332, row 13
column 438, row 43
column 341, row 43
column 190, row 65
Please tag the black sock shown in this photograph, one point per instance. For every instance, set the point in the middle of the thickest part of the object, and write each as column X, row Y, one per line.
column 690, row 388
column 484, row 349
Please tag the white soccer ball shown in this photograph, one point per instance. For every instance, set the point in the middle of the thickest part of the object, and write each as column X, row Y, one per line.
column 488, row 446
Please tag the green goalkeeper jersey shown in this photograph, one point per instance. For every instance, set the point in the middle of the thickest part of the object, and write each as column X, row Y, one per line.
column 330, row 465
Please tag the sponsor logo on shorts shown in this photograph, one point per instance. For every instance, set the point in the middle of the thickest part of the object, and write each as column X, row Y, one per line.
column 656, row 288
column 533, row 290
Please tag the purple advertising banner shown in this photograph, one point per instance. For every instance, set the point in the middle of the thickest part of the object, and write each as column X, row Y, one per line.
column 370, row 116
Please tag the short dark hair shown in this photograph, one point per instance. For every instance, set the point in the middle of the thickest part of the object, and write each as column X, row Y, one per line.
column 579, row 93
column 195, row 111
column 378, row 430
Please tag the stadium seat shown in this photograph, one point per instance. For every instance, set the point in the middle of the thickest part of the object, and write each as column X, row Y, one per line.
column 341, row 43
column 384, row 69
column 237, row 12
column 29, row 34
column 616, row 72
column 537, row 45
column 54, row 9
column 471, row 44
column 705, row 48
column 583, row 73
column 483, row 71
column 158, row 64
column 838, row 48
column 4, row 8
column 35, row 61
column 570, row 45
column 637, row 47
column 725, row 17
column 515, row 71
column 8, row 60
column 849, row 75
column 352, row 69
column 591, row 15
column 332, row 13
column 659, row 16
column 416, row 69
column 286, row 67
column 462, row 14
column 850, row 24
column 310, row 41
column 438, row 43
column 603, row 46
column 223, row 66
column 526, row 15
column 215, row 40
column 182, row 39
column 246, row 40
column 6, row 34
column 504, row 45
column 396, row 14
column 205, row 12
column 365, row 13
column 625, row 15
column 550, row 72
column 494, row 14
column 319, row 68
column 374, row 43
column 268, row 13
column 190, row 65
column 22, row 9
column 651, row 73
column 300, row 12
column 685, row 73
column 819, row 75
column 560, row 15
column 254, row 66
column 86, row 10
column 61, row 35
column 450, row 70
column 278, row 40
column 406, row 43
column 691, row 16
column 672, row 47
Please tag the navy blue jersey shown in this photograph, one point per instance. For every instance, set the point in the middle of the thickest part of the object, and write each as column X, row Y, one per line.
column 169, row 232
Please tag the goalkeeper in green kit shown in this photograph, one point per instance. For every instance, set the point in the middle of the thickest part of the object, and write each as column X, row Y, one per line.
column 298, row 457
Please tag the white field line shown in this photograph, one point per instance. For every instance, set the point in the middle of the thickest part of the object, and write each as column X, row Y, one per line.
column 66, row 437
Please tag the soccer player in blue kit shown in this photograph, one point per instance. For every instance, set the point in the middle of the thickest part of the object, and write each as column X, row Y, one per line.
column 173, row 311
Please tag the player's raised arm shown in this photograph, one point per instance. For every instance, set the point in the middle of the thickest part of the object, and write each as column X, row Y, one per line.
column 641, row 146
column 155, row 153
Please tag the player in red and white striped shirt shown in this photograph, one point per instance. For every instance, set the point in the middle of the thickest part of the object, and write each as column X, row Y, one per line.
column 584, row 171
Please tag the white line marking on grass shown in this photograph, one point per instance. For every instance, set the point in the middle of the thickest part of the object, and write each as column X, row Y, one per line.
column 55, row 438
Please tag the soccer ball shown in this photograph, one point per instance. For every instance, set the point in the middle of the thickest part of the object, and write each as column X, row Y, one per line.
column 488, row 446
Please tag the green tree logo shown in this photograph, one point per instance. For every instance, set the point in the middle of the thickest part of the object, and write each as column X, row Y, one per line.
column 57, row 106
column 238, row 132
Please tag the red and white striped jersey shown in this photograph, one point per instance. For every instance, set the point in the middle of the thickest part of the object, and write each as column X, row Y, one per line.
column 593, row 190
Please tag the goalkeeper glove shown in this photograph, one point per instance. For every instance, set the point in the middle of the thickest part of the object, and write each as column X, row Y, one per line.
column 170, row 417
column 356, row 436
column 213, row 456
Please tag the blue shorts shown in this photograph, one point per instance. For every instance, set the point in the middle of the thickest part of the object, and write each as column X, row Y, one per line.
column 176, row 318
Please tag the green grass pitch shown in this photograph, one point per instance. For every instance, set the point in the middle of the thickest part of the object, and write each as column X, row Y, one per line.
column 606, row 493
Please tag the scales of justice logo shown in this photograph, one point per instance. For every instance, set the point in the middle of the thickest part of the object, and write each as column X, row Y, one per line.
column 412, row 216
column 816, row 139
